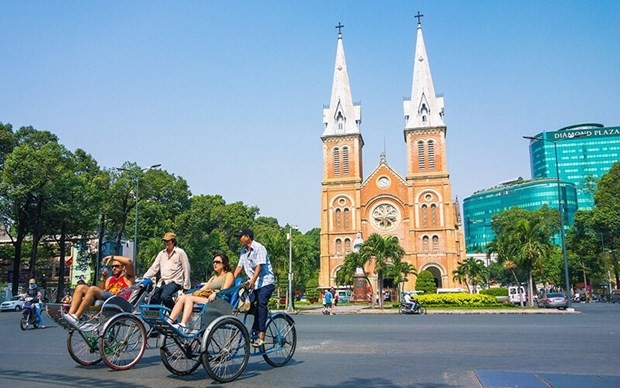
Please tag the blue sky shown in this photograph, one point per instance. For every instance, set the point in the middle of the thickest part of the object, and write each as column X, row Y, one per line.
column 229, row 95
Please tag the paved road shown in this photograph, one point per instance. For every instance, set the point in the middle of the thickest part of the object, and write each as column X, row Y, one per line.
column 353, row 350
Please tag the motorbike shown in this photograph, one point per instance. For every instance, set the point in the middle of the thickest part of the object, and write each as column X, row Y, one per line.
column 411, row 308
column 29, row 316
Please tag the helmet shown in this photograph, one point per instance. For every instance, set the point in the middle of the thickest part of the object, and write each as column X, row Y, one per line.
column 32, row 281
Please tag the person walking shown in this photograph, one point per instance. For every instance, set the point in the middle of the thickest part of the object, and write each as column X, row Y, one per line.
column 172, row 265
column 255, row 262
column 327, row 302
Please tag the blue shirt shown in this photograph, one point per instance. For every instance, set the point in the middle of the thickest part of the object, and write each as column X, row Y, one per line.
column 328, row 297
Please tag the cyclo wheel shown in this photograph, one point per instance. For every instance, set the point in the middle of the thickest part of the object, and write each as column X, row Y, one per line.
column 225, row 349
column 23, row 322
column 123, row 342
column 280, row 340
column 83, row 348
column 180, row 356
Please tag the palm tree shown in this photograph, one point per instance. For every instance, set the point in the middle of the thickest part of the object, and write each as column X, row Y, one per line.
column 459, row 275
column 383, row 251
column 400, row 271
column 470, row 271
column 534, row 248
column 511, row 266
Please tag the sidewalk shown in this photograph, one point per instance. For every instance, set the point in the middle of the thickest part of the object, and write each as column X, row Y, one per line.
column 351, row 309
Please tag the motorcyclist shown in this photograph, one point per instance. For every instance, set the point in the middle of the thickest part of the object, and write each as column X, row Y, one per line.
column 410, row 301
column 35, row 293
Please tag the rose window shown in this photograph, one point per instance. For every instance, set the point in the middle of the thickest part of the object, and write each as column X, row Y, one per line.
column 385, row 216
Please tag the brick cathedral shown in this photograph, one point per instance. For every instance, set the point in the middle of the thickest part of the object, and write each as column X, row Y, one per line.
column 417, row 208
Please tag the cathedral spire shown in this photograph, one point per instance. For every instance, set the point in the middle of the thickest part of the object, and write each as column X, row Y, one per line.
column 342, row 116
column 424, row 109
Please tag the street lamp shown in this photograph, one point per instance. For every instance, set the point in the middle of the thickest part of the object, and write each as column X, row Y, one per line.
column 562, row 234
column 135, row 239
column 289, row 299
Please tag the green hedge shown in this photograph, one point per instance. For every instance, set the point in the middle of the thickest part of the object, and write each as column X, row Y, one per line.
column 498, row 291
column 458, row 299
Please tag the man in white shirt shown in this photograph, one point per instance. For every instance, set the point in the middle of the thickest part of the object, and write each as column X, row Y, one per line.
column 255, row 261
column 173, row 266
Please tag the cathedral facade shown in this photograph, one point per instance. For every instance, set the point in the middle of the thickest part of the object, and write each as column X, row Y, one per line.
column 417, row 208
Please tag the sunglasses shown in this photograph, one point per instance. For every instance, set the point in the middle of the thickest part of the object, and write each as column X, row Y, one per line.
column 217, row 262
column 116, row 266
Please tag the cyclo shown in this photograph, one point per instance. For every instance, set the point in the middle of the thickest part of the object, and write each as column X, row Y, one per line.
column 220, row 339
column 112, row 332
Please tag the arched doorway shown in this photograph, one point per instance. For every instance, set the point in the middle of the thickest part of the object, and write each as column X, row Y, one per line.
column 436, row 272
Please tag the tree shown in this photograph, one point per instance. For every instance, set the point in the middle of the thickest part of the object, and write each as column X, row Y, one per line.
column 524, row 237
column 425, row 282
column 400, row 272
column 382, row 252
column 606, row 215
column 26, row 185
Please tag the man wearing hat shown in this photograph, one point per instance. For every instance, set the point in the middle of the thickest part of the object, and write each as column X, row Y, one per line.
column 173, row 266
column 255, row 261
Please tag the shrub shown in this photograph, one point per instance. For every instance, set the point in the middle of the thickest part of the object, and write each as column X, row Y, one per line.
column 425, row 282
column 498, row 291
column 458, row 299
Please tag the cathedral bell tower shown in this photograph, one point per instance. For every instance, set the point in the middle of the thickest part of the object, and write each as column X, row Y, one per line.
column 435, row 232
column 342, row 170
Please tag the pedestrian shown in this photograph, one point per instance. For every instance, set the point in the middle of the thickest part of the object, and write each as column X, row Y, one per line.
column 335, row 300
column 37, row 299
column 255, row 262
column 173, row 267
column 327, row 302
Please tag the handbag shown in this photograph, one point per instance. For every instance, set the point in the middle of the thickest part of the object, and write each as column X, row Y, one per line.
column 203, row 293
column 244, row 300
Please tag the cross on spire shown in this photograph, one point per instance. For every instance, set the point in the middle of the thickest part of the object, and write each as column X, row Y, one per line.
column 339, row 27
column 419, row 16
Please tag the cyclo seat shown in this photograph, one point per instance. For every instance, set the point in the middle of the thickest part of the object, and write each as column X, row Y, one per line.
column 115, row 305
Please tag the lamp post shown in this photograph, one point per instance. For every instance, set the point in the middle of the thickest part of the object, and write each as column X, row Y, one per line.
column 135, row 239
column 289, row 299
column 560, row 208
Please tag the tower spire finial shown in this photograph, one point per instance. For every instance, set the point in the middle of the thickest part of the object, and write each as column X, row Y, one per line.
column 419, row 16
column 339, row 27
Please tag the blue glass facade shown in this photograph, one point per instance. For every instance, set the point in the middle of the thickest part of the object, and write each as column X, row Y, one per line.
column 585, row 152
column 479, row 208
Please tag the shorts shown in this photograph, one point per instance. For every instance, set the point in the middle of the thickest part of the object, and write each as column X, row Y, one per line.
column 328, row 305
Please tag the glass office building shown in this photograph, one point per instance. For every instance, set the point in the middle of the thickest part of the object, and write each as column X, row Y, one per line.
column 479, row 208
column 585, row 152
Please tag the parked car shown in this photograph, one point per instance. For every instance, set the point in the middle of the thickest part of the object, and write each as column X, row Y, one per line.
column 553, row 300
column 15, row 304
column 615, row 296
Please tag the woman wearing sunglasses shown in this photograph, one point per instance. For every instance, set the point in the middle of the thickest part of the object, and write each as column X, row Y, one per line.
column 222, row 280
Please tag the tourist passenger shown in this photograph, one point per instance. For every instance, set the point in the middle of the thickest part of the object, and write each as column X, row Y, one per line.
column 222, row 280
column 84, row 296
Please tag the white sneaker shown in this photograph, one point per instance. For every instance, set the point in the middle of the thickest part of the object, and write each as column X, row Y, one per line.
column 258, row 343
column 71, row 319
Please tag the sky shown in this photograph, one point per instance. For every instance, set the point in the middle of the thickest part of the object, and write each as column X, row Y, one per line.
column 229, row 94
